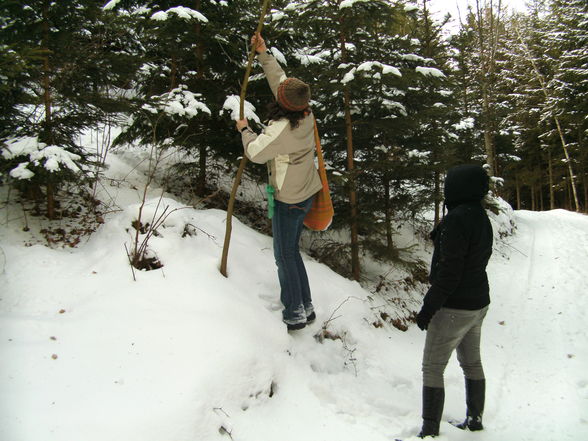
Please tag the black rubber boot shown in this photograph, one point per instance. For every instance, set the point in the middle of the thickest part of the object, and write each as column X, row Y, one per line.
column 475, row 397
column 433, row 400
column 295, row 327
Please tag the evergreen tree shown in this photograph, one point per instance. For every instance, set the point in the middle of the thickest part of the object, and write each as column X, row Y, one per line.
column 63, row 65
column 200, row 50
column 381, row 100
column 568, row 87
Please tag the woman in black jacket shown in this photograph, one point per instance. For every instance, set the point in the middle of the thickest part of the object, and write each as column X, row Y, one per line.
column 458, row 299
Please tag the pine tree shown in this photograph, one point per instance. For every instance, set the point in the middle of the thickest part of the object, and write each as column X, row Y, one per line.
column 56, row 91
column 374, row 90
column 202, row 50
column 355, row 100
column 568, row 87
column 524, row 164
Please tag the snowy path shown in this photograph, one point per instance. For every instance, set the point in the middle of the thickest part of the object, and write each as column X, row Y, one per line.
column 540, row 349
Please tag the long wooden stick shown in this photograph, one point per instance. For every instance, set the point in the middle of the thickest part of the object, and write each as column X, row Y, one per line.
column 229, row 224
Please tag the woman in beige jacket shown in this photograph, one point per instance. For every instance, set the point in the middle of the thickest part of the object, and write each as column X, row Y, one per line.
column 288, row 146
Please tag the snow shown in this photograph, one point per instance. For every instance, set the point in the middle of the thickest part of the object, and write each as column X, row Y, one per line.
column 21, row 172
column 465, row 124
column 349, row 3
column 232, row 104
column 430, row 72
column 55, row 156
column 23, row 146
column 50, row 157
column 365, row 68
column 509, row 157
column 291, row 7
column 178, row 101
column 417, row 154
column 111, row 5
column 395, row 105
column 279, row 56
column 277, row 15
column 413, row 57
column 349, row 76
column 368, row 65
column 181, row 12
column 183, row 354
column 305, row 58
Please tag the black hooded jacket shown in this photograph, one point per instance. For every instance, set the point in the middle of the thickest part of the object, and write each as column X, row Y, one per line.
column 463, row 245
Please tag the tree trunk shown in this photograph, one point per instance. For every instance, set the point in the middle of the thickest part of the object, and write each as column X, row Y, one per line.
column 438, row 198
column 551, row 183
column 47, row 135
column 518, row 187
column 173, row 81
column 388, row 218
column 199, row 45
column 585, row 194
column 533, row 197
column 428, row 53
column 569, row 163
column 201, row 178
column 355, row 266
column 539, row 180
column 50, row 201
column 583, row 147
column 568, row 196
column 199, row 52
column 488, row 35
column 488, row 135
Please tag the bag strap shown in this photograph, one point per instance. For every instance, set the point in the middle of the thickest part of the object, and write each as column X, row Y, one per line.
column 321, row 162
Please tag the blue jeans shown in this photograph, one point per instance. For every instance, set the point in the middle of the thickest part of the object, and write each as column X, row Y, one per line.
column 287, row 226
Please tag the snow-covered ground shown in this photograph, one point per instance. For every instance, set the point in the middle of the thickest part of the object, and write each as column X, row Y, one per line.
column 184, row 354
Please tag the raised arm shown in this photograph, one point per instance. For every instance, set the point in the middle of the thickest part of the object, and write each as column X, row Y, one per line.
column 273, row 71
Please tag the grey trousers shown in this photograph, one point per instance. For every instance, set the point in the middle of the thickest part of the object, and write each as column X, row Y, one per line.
column 452, row 329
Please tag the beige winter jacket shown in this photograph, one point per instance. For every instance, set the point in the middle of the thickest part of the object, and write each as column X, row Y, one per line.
column 289, row 152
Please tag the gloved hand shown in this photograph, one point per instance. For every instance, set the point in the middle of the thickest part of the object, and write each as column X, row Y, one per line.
column 423, row 318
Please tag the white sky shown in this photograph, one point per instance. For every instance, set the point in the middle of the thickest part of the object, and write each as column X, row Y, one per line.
column 441, row 7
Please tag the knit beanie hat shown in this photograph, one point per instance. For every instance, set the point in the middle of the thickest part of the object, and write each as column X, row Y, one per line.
column 293, row 94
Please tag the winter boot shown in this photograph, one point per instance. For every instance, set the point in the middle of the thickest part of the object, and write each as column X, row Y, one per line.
column 433, row 400
column 295, row 326
column 475, row 396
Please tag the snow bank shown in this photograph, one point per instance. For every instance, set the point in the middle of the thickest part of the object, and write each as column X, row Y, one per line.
column 184, row 354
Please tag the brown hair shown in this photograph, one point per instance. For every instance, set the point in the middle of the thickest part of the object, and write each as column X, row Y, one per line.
column 276, row 112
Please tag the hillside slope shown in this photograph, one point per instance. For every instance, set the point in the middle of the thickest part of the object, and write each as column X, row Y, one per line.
column 184, row 354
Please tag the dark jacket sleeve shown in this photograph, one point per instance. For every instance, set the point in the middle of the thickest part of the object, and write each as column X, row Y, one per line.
column 453, row 244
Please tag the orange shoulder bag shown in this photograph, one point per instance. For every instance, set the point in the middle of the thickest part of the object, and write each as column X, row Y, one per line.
column 321, row 213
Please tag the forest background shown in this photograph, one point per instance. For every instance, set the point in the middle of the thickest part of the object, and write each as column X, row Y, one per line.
column 398, row 99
